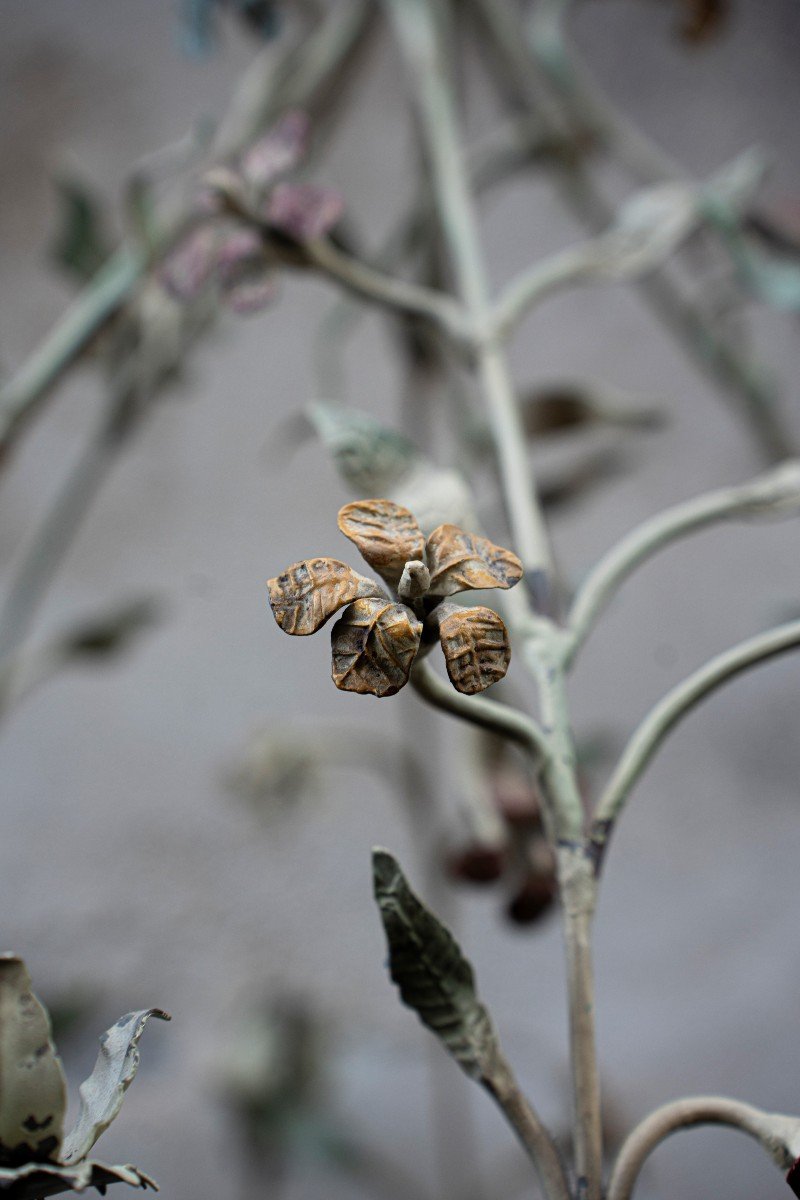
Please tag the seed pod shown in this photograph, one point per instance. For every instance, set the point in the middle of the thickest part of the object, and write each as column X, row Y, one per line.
column 477, row 862
column 533, row 899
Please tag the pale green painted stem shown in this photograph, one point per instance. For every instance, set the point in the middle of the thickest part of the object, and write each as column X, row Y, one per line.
column 416, row 30
column 416, row 27
column 651, row 733
column 777, row 1134
column 775, row 493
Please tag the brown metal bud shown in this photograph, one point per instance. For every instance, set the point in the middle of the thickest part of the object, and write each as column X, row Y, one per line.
column 533, row 900
column 793, row 1177
column 476, row 863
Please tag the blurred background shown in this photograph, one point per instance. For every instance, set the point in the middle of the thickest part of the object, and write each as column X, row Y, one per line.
column 132, row 874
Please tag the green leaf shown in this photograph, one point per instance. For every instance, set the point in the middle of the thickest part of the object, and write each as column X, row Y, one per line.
column 103, row 1092
column 432, row 974
column 81, row 245
column 32, row 1088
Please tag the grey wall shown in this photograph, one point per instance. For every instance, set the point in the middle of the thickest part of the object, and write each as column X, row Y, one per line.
column 125, row 864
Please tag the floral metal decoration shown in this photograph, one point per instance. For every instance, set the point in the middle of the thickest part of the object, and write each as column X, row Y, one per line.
column 243, row 208
column 380, row 633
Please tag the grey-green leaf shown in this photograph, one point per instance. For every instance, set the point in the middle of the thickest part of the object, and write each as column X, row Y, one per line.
column 432, row 974
column 32, row 1088
column 103, row 1092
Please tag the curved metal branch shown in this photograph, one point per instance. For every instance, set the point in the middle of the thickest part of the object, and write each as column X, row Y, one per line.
column 774, row 493
column 487, row 714
column 650, row 734
column 778, row 1135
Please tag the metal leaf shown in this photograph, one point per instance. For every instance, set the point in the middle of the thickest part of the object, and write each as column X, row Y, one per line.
column 103, row 1092
column 374, row 459
column 386, row 534
column 432, row 974
column 32, row 1181
column 309, row 592
column 476, row 647
column 82, row 245
column 461, row 562
column 32, row 1087
column 374, row 644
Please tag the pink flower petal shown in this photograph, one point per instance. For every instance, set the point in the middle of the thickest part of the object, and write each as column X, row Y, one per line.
column 302, row 210
column 237, row 253
column 278, row 151
column 251, row 295
column 187, row 268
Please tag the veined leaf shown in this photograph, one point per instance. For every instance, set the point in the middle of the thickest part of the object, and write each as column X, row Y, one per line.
column 432, row 974
column 82, row 245
column 374, row 644
column 103, row 1092
column 32, row 1087
column 476, row 647
column 461, row 562
column 375, row 460
column 309, row 592
column 386, row 534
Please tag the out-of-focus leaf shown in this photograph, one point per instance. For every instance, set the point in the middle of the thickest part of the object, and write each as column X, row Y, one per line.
column 187, row 269
column 242, row 271
column 82, row 244
column 461, row 562
column 476, row 647
column 559, row 408
column 370, row 458
column 386, row 534
column 770, row 280
column 32, row 1181
column 573, row 483
column 32, row 1087
column 303, row 211
column 654, row 222
column 374, row 643
column 280, row 149
column 309, row 592
column 112, row 632
column 101, row 1095
column 432, row 974
column 702, row 19
column 198, row 21
column 374, row 460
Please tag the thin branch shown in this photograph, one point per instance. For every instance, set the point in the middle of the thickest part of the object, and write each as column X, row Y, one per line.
column 527, row 1124
column 416, row 31
column 390, row 292
column 477, row 710
column 649, row 736
column 23, row 395
column 778, row 1135
column 519, row 74
column 774, row 493
column 307, row 74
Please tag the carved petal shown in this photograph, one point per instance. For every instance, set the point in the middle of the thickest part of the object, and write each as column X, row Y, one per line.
column 460, row 562
column 32, row 1087
column 387, row 535
column 476, row 647
column 374, row 644
column 309, row 592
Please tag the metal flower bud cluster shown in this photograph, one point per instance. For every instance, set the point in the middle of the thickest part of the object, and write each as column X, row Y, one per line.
column 241, row 206
column 379, row 634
